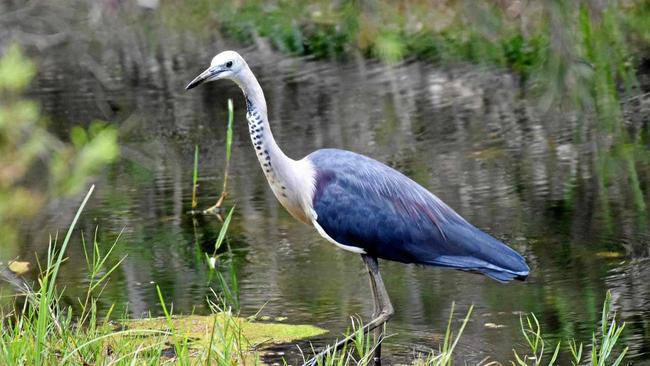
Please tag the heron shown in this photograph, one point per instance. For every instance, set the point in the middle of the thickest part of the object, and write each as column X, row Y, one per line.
column 364, row 206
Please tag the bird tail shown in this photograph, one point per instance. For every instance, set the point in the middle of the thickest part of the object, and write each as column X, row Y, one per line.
column 471, row 264
column 470, row 249
column 504, row 276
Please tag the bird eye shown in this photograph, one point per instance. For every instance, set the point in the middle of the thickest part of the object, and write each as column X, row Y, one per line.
column 229, row 64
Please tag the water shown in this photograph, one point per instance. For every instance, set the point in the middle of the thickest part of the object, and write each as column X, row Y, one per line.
column 468, row 134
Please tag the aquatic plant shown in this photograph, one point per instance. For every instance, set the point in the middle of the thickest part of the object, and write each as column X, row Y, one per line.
column 39, row 329
column 195, row 176
column 603, row 342
column 357, row 352
column 217, row 261
column 444, row 355
column 224, row 189
column 214, row 209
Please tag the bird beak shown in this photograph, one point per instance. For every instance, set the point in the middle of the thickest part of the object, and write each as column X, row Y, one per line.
column 205, row 76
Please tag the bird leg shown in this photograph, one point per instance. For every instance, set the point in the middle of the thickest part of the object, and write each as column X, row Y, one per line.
column 383, row 310
column 382, row 306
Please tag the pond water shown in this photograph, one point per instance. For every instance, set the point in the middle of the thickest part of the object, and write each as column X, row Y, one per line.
column 468, row 134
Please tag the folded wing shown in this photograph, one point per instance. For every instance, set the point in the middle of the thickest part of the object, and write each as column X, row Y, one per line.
column 360, row 202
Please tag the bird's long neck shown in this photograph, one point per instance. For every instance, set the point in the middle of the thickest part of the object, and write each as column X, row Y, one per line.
column 283, row 173
column 267, row 150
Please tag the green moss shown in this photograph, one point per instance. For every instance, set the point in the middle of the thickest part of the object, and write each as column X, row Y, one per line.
column 201, row 330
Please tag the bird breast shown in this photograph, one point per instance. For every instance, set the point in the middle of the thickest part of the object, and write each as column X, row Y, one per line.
column 291, row 181
column 293, row 185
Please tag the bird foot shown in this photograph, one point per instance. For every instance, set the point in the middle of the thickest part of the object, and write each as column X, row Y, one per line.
column 381, row 319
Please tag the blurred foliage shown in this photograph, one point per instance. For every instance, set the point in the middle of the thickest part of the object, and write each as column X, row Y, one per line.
column 581, row 52
column 513, row 33
column 27, row 150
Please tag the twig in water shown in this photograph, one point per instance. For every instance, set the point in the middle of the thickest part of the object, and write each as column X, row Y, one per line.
column 195, row 177
column 224, row 191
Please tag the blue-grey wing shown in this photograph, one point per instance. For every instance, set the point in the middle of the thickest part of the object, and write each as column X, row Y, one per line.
column 363, row 203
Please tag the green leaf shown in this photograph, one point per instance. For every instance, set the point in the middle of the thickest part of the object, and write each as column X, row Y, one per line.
column 224, row 230
column 557, row 351
column 16, row 71
column 78, row 137
column 229, row 131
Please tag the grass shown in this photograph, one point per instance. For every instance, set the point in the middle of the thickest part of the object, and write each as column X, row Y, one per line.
column 444, row 355
column 604, row 345
column 230, row 289
column 195, row 172
column 195, row 177
column 231, row 116
column 531, row 332
column 357, row 352
column 42, row 331
column 603, row 342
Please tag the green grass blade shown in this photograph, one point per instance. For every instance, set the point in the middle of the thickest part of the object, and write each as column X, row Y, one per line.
column 605, row 314
column 66, row 240
column 195, row 176
column 48, row 283
column 462, row 328
column 555, row 354
column 448, row 334
column 620, row 357
column 231, row 115
column 112, row 334
column 223, row 231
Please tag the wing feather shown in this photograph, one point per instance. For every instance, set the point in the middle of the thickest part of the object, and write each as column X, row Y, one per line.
column 360, row 202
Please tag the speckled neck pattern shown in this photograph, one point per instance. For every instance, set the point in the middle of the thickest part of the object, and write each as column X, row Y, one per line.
column 261, row 137
column 290, row 180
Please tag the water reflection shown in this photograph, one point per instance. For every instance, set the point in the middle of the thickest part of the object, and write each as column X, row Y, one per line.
column 469, row 135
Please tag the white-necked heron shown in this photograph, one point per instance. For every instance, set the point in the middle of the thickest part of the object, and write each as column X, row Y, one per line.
column 364, row 206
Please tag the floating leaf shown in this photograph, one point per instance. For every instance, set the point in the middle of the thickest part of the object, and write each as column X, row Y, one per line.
column 19, row 267
column 199, row 330
column 609, row 255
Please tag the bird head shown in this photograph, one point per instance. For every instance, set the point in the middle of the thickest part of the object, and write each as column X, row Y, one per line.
column 226, row 65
